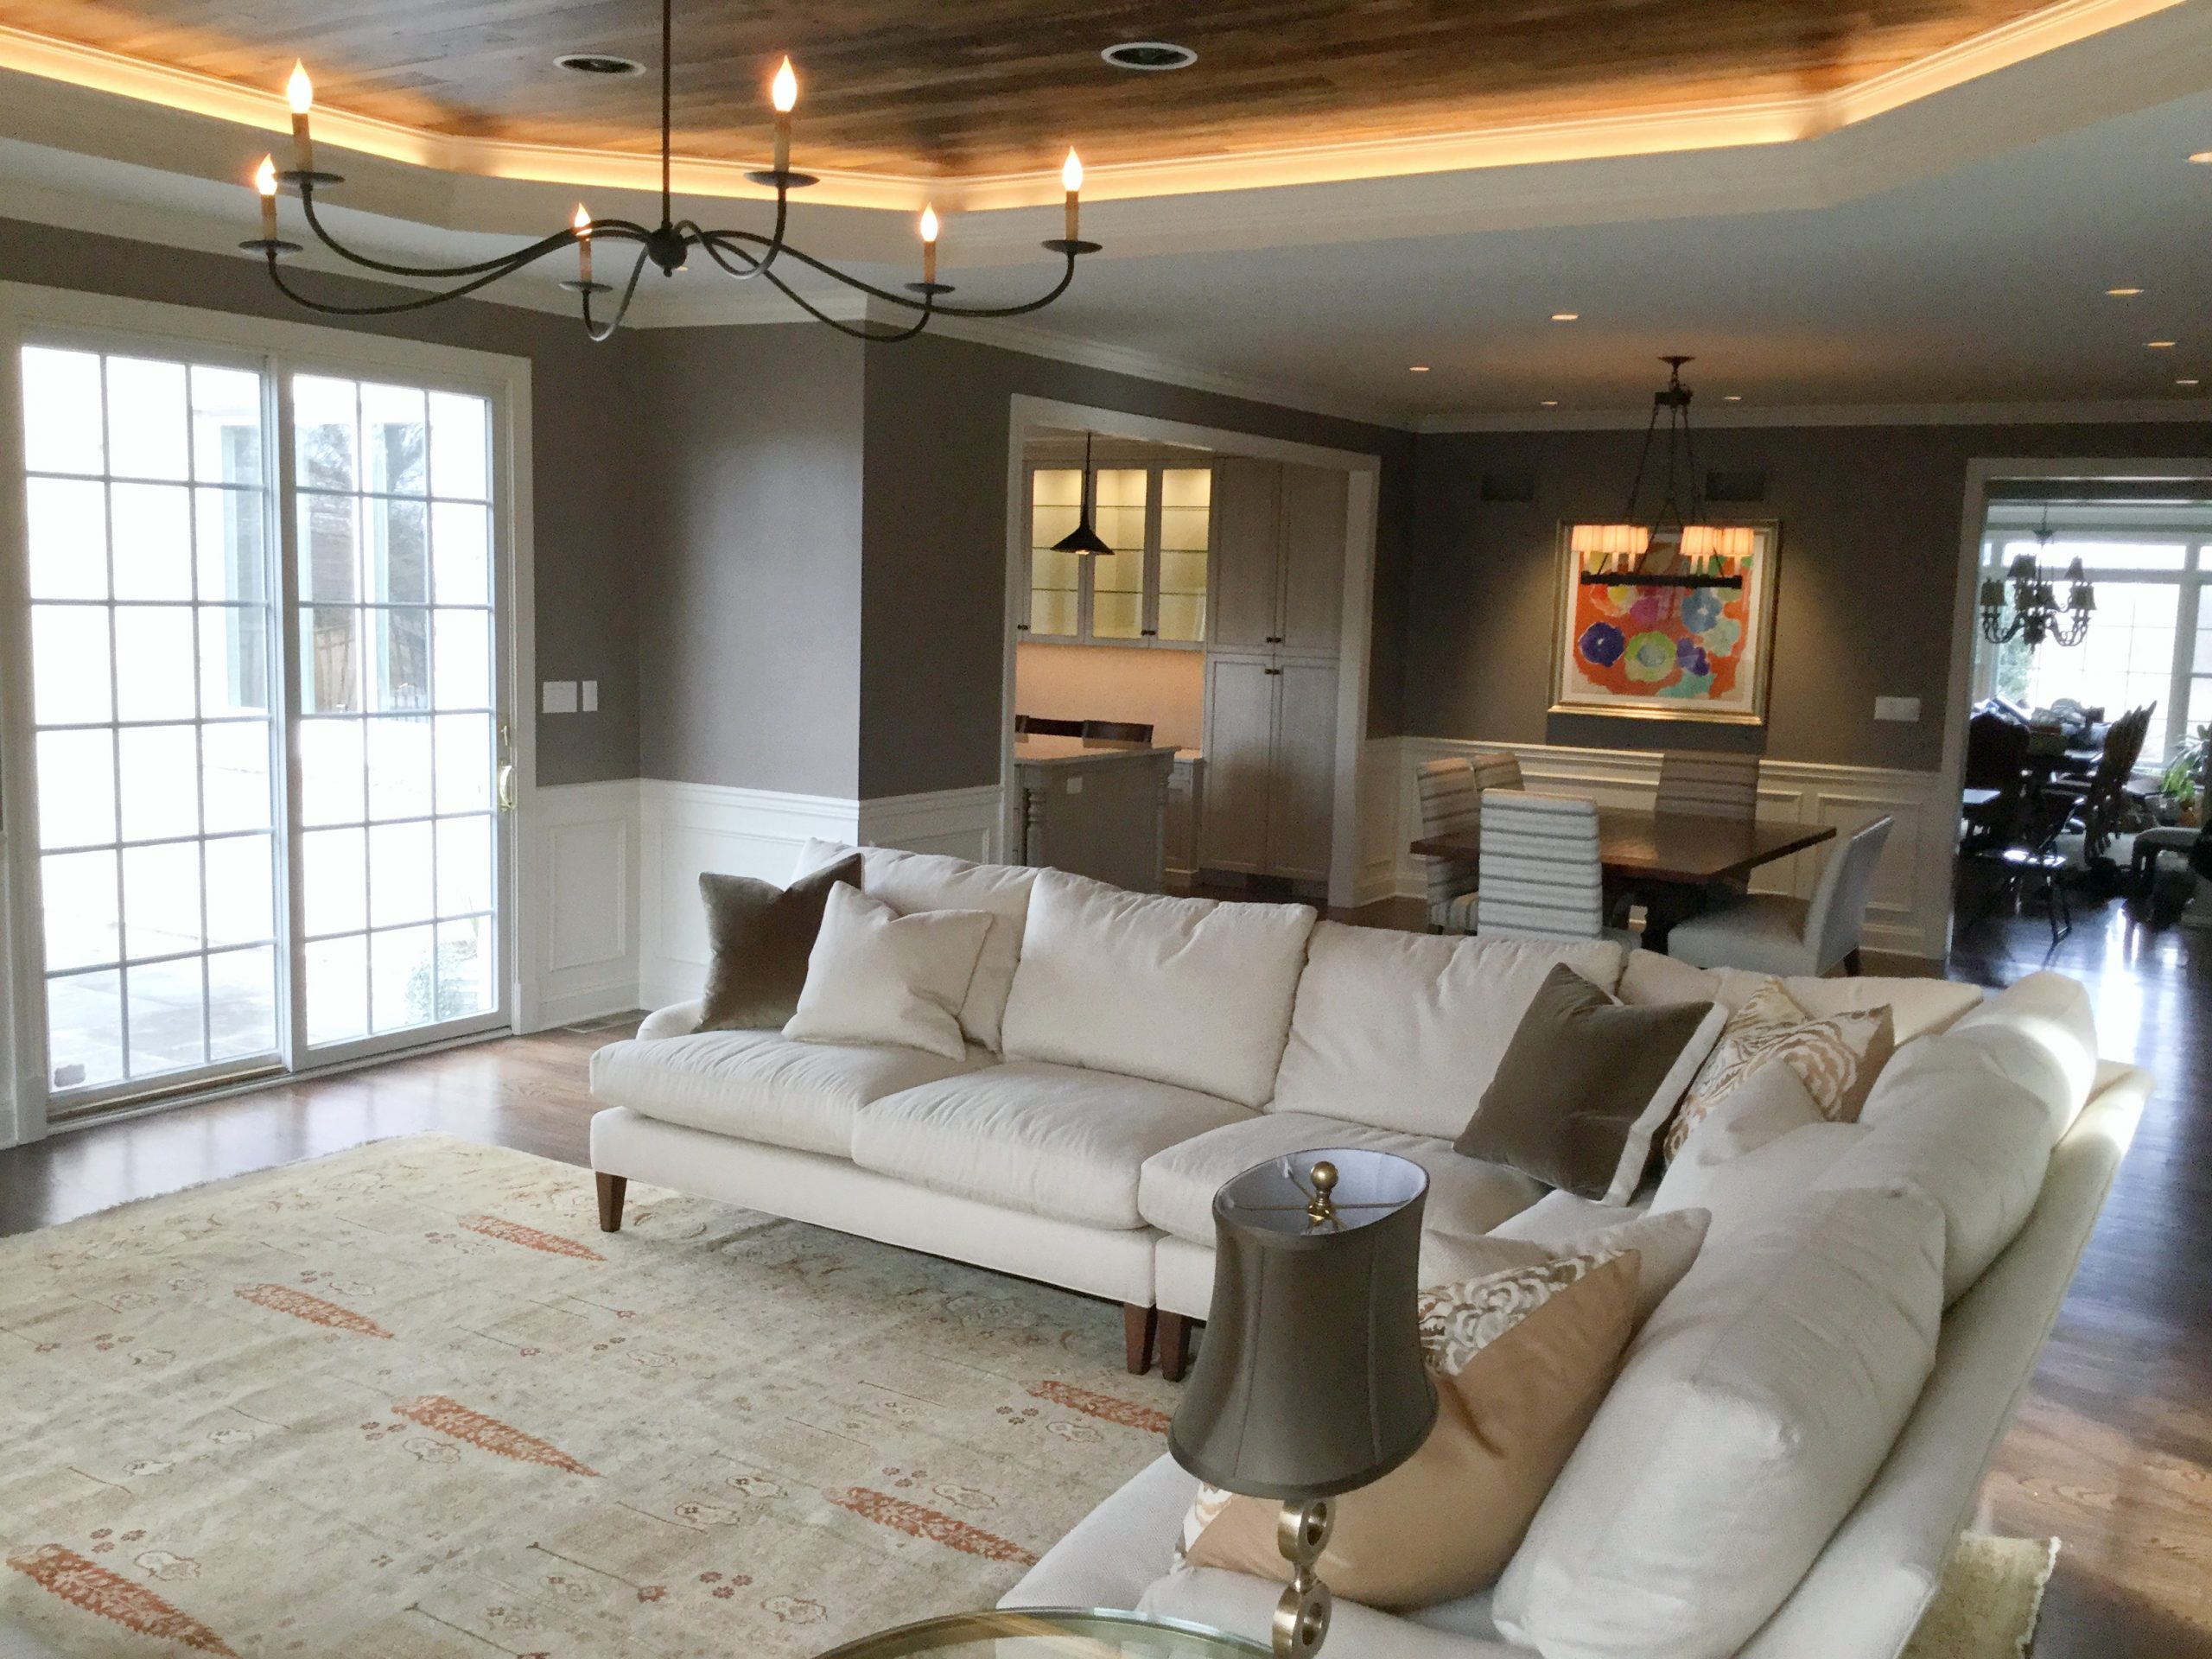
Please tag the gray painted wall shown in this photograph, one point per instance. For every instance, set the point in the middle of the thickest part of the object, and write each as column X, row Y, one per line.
column 1871, row 523
column 750, row 631
column 934, row 542
column 584, row 447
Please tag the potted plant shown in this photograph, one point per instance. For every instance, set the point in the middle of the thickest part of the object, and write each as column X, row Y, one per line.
column 2184, row 775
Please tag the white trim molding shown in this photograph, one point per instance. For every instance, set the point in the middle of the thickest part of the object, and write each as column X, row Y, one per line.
column 583, row 893
column 1909, row 913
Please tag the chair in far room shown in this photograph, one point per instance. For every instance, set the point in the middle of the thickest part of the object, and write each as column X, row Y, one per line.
column 1451, row 791
column 1117, row 731
column 1708, row 785
column 1541, row 874
column 1774, row 933
column 1038, row 726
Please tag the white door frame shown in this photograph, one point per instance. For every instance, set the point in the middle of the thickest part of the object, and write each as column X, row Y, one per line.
column 1981, row 472
column 1364, row 475
column 29, row 309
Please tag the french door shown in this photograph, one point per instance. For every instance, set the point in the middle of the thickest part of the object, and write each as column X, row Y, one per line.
column 262, row 604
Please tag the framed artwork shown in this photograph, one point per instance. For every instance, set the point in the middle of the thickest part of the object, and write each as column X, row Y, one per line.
column 1665, row 635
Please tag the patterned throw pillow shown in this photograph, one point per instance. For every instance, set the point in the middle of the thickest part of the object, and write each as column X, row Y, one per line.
column 1521, row 1359
column 1837, row 1058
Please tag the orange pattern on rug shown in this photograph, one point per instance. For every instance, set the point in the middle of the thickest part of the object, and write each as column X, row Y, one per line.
column 450, row 1417
column 916, row 1522
column 109, row 1595
column 529, row 1237
column 283, row 1298
column 1104, row 1407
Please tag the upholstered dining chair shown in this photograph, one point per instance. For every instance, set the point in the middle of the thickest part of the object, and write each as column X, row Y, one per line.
column 1541, row 874
column 1773, row 933
column 1450, row 804
column 1708, row 785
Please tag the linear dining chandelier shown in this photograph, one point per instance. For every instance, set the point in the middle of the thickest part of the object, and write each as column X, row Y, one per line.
column 1675, row 547
column 744, row 255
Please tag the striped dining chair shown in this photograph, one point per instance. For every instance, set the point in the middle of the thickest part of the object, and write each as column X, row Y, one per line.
column 1540, row 875
column 1450, row 804
column 1709, row 785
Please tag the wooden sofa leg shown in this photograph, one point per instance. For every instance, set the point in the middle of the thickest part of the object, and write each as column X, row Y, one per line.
column 610, row 1189
column 1175, row 1345
column 1139, row 1326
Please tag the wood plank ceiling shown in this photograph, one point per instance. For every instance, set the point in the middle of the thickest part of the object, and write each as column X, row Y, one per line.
column 969, row 87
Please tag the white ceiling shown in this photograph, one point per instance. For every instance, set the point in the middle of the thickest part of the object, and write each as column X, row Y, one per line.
column 1952, row 253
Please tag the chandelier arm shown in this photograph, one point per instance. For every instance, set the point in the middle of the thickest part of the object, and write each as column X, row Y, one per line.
column 903, row 301
column 600, row 335
column 718, row 243
column 891, row 337
column 613, row 229
column 389, row 310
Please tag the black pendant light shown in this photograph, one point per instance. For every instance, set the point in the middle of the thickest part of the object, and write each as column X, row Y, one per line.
column 1084, row 538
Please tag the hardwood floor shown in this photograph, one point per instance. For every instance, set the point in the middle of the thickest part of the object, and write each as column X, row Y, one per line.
column 2112, row 1452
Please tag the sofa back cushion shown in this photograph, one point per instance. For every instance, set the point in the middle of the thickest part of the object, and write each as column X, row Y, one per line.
column 2041, row 1032
column 1916, row 1007
column 1404, row 1030
column 917, row 881
column 1748, row 1415
column 1187, row 991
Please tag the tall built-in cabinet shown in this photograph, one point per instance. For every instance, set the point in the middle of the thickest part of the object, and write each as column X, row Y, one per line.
column 1271, row 670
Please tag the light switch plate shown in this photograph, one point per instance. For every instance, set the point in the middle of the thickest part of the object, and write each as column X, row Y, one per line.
column 1906, row 710
column 591, row 696
column 559, row 697
column 1075, row 785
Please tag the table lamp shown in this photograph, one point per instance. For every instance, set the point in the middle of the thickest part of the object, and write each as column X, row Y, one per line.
column 1310, row 1381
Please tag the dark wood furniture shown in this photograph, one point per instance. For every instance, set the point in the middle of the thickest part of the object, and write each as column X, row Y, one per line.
column 1669, row 859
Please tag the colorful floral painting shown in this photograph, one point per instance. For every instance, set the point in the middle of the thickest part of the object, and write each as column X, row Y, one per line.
column 1666, row 652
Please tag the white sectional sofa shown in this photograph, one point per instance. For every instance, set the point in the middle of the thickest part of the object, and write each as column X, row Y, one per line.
column 1145, row 1049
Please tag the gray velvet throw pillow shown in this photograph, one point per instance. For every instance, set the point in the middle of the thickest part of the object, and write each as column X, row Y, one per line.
column 761, row 934
column 1580, row 1072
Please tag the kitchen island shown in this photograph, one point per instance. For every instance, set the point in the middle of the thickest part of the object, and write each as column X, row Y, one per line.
column 1095, row 808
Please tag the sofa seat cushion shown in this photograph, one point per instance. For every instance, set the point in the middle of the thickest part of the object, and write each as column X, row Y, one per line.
column 1465, row 1194
column 1055, row 1141
column 759, row 1086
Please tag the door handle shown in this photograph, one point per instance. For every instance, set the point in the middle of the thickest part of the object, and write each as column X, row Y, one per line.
column 506, row 786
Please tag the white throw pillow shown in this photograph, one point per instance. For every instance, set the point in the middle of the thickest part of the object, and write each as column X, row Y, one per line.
column 1636, row 1153
column 1748, row 1417
column 1187, row 991
column 1404, row 1030
column 1744, row 1190
column 1667, row 1245
column 916, row 881
column 876, row 977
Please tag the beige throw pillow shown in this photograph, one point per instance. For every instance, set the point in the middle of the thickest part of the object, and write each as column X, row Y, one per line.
column 876, row 977
column 1520, row 1360
column 1837, row 1059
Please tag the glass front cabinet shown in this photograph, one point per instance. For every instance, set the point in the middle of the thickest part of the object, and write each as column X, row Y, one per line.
column 1151, row 591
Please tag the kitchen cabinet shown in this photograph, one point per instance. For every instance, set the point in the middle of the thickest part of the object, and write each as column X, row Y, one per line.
column 1152, row 590
column 1279, row 557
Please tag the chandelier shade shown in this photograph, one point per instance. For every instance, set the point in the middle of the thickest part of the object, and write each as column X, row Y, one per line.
column 1673, row 546
column 2036, row 615
column 742, row 254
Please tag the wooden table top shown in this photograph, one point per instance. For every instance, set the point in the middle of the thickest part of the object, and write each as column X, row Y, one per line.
column 1675, row 847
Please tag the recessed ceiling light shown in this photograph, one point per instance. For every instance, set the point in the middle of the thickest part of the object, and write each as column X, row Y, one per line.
column 2159, row 345
column 1733, row 397
column 1567, row 316
column 2202, row 157
column 1417, row 368
column 1150, row 57
column 2189, row 380
column 1551, row 403
column 2123, row 293
column 600, row 63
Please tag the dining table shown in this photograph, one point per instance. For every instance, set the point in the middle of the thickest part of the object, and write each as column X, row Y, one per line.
column 1667, row 859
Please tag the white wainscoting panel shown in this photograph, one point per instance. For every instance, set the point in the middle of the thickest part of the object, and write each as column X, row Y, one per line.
column 584, row 912
column 964, row 823
column 1908, row 913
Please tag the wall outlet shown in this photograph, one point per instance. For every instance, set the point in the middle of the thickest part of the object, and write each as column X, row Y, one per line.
column 591, row 696
column 559, row 697
column 1075, row 785
column 1906, row 710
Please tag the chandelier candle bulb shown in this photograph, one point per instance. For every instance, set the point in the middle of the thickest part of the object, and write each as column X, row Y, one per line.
column 265, row 182
column 299, row 91
column 582, row 226
column 784, row 93
column 1071, row 181
column 929, row 245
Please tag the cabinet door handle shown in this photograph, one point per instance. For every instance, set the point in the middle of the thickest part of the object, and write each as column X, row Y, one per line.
column 1152, row 634
column 1275, row 639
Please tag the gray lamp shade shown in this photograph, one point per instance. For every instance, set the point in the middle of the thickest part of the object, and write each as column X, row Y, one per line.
column 1310, row 1381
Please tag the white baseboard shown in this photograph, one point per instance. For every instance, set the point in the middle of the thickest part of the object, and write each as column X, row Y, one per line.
column 1909, row 913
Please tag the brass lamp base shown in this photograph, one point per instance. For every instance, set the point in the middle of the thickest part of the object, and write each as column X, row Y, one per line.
column 1301, row 1622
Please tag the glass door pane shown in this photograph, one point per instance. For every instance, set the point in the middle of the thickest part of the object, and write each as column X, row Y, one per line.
column 397, row 664
column 145, row 481
column 1185, row 532
column 1055, row 579
column 1117, row 579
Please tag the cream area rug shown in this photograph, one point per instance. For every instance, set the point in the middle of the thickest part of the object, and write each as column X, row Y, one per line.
column 410, row 1402
column 1987, row 1604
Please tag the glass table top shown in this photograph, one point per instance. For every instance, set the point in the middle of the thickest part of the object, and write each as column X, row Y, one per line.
column 1050, row 1633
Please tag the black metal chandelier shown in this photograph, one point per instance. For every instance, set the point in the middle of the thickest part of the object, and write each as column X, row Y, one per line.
column 2037, row 613
column 742, row 254
column 1674, row 547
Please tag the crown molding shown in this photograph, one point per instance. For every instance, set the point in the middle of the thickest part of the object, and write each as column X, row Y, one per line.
column 2177, row 411
column 1750, row 123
